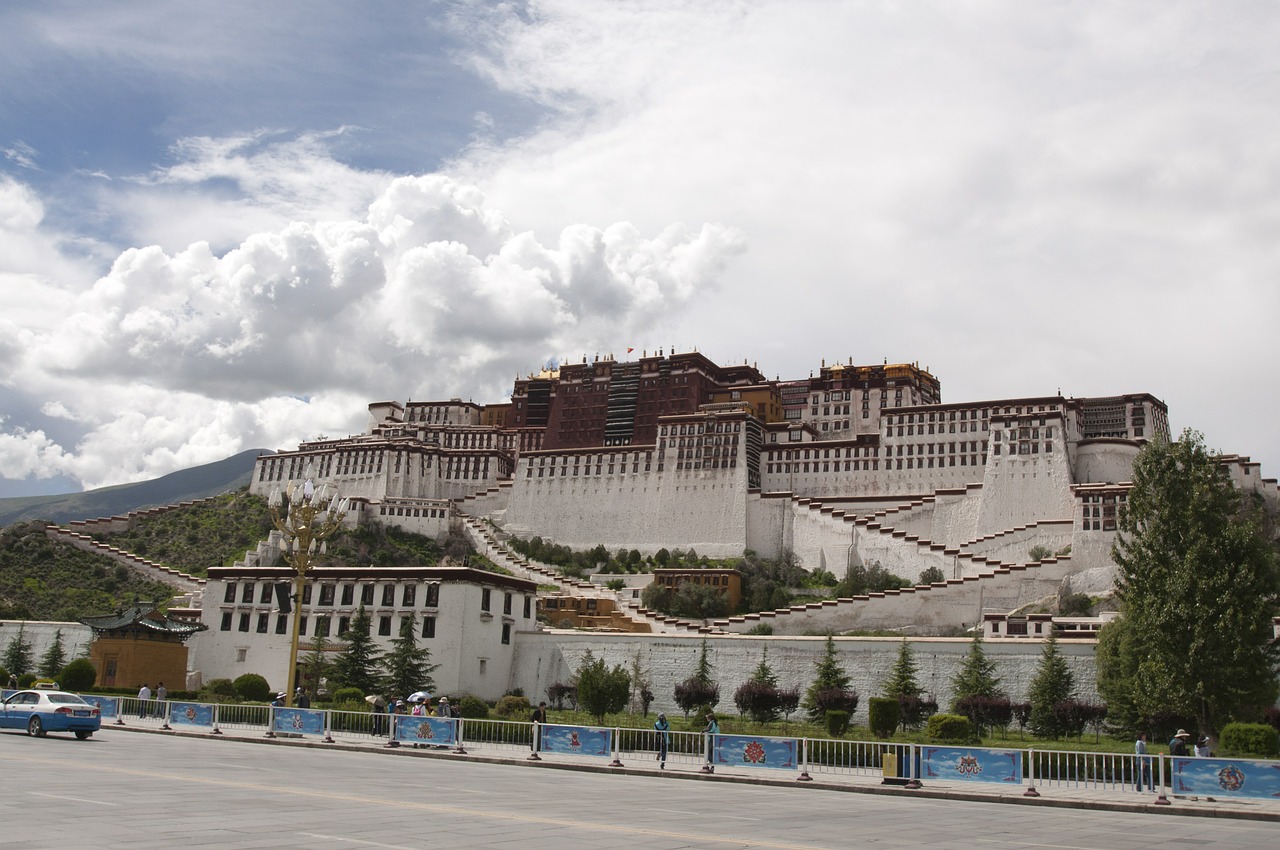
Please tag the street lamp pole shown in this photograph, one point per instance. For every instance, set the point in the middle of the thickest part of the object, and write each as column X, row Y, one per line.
column 307, row 517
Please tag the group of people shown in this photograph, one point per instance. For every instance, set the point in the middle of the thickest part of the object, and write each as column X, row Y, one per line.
column 662, row 727
column 1178, row 747
column 146, row 699
column 420, row 708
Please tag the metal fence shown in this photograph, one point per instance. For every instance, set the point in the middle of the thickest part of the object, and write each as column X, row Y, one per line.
column 1040, row 770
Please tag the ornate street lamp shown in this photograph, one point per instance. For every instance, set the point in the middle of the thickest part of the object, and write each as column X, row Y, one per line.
column 306, row 516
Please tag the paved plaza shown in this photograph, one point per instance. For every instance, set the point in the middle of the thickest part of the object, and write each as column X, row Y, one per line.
column 129, row 789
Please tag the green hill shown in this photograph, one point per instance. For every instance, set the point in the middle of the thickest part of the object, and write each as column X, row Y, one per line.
column 45, row 580
column 184, row 485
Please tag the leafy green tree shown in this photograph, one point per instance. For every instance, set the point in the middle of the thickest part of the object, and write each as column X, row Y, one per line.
column 1199, row 582
column 1117, row 660
column 830, row 689
column 977, row 675
column 602, row 691
column 17, row 655
column 407, row 666
column 54, row 658
column 357, row 665
column 1053, row 684
column 78, row 675
column 931, row 575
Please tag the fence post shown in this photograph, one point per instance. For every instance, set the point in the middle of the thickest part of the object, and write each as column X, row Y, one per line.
column 166, row 725
column 328, row 727
column 537, row 743
column 217, row 708
column 457, row 734
column 1162, row 800
column 120, row 711
column 271, row 722
column 392, row 722
column 617, row 748
column 1031, row 776
column 913, row 781
column 804, row 762
column 707, row 766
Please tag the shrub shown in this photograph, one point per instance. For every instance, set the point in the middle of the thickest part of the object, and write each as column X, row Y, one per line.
column 692, row 694
column 26, row 680
column 950, row 729
column 1272, row 717
column 884, row 715
column 78, row 675
column 252, row 687
column 1075, row 605
column 346, row 695
column 4, row 678
column 837, row 722
column 985, row 712
column 473, row 708
column 560, row 692
column 913, row 711
column 757, row 700
column 220, row 687
column 788, row 701
column 1245, row 740
column 761, row 629
column 834, row 699
column 512, row 706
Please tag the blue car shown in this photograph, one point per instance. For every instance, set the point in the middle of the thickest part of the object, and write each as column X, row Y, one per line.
column 50, row 711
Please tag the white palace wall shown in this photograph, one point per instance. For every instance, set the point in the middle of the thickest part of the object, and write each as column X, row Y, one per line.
column 545, row 658
column 702, row 509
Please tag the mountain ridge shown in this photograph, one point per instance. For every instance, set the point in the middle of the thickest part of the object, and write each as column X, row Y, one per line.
column 196, row 482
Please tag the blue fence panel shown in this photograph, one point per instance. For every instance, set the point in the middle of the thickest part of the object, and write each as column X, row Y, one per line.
column 576, row 740
column 191, row 713
column 755, row 751
column 301, row 721
column 427, row 731
column 107, row 706
column 1226, row 777
column 971, row 764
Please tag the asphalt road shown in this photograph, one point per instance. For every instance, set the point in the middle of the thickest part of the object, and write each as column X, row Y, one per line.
column 131, row 790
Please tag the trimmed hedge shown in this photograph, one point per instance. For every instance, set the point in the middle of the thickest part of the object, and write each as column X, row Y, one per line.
column 1249, row 740
column 837, row 721
column 950, row 729
column 884, row 715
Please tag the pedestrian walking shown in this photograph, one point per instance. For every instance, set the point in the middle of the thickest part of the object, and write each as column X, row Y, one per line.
column 711, row 730
column 144, row 697
column 663, row 728
column 1141, row 763
column 1202, row 747
column 1178, row 743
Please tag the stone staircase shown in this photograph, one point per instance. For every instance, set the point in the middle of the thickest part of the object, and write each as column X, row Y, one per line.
column 190, row 588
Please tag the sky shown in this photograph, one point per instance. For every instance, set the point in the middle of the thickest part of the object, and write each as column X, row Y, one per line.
column 234, row 225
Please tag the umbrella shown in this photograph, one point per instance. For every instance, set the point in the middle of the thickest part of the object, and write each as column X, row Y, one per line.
column 419, row 696
column 374, row 699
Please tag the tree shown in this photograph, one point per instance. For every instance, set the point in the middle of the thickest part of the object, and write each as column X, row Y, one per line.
column 78, row 675
column 1199, row 582
column 1053, row 684
column 54, row 657
column 977, row 675
column 357, row 665
column 758, row 696
column 830, row 689
column 902, row 678
column 315, row 665
column 602, row 691
column 699, row 690
column 17, row 655
column 932, row 575
column 641, row 685
column 407, row 667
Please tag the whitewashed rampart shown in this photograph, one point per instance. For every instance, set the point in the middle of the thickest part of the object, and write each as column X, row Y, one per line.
column 545, row 658
column 40, row 635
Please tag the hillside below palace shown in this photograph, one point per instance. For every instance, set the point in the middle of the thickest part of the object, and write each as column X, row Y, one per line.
column 853, row 465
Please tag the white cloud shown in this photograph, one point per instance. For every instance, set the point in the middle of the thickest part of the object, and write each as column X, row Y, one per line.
column 178, row 358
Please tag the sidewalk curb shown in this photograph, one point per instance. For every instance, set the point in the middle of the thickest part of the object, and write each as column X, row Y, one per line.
column 1004, row 798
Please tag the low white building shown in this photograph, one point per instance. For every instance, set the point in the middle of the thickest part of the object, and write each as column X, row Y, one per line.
column 466, row 618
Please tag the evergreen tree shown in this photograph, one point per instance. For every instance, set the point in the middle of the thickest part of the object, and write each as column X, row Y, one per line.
column 764, row 674
column 54, row 658
column 830, row 689
column 977, row 676
column 357, row 665
column 902, row 678
column 17, row 655
column 407, row 666
column 315, row 664
column 699, row 690
column 1200, row 582
column 1053, row 684
column 758, row 697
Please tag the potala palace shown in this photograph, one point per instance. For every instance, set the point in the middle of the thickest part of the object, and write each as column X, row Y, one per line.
column 852, row 465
